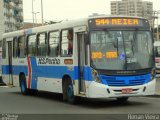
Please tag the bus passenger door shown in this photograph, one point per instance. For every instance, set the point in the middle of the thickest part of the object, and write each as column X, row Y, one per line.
column 10, row 63
column 81, row 61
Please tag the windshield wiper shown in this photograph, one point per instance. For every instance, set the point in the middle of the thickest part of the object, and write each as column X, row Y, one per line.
column 134, row 40
column 124, row 51
column 117, row 46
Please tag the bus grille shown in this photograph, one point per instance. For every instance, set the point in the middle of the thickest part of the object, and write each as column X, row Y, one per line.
column 123, row 81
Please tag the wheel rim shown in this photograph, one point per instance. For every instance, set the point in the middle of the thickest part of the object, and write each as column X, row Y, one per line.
column 70, row 91
column 23, row 84
column 23, row 87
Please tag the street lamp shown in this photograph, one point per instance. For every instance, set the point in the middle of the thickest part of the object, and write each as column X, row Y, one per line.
column 35, row 13
column 155, row 16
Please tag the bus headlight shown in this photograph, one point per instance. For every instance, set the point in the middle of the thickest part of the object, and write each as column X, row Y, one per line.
column 153, row 73
column 95, row 76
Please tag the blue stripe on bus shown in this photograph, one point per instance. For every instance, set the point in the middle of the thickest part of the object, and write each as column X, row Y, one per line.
column 59, row 71
column 49, row 71
column 15, row 69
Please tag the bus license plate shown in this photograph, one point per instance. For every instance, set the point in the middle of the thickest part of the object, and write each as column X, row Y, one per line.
column 127, row 90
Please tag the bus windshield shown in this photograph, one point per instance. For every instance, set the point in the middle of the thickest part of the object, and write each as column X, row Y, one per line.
column 121, row 50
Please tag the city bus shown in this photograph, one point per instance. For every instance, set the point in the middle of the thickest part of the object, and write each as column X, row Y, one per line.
column 103, row 57
column 157, row 56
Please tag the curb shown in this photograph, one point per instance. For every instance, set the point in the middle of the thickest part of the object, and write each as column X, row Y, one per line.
column 8, row 86
column 4, row 85
column 157, row 95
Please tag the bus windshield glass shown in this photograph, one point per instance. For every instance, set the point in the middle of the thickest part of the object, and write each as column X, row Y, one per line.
column 121, row 49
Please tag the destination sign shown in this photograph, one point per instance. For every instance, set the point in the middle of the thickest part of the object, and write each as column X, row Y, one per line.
column 117, row 22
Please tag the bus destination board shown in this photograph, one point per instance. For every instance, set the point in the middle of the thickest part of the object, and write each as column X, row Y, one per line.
column 117, row 22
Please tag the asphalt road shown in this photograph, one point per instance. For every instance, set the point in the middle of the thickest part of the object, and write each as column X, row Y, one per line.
column 12, row 101
column 49, row 106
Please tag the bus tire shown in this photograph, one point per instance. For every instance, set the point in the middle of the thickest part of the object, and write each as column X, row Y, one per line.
column 68, row 92
column 23, row 85
column 122, row 99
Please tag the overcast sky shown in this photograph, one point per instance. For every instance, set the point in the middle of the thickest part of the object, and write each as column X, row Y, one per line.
column 69, row 9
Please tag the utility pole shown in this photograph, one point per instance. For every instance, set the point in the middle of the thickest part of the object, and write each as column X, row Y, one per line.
column 42, row 12
column 157, row 28
column 36, row 18
column 33, row 13
column 158, row 12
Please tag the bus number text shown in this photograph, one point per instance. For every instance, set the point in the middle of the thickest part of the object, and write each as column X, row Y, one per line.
column 51, row 61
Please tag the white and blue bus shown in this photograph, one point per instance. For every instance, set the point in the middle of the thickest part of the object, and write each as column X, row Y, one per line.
column 97, row 57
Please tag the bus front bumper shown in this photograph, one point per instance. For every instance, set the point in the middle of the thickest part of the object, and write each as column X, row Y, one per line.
column 97, row 90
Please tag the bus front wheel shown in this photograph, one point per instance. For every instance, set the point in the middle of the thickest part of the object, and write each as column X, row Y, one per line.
column 68, row 92
column 23, row 85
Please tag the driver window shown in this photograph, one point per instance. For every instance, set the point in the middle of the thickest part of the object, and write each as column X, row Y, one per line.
column 67, row 43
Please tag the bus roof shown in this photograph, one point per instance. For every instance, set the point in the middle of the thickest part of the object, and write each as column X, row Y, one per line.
column 62, row 25
column 115, row 16
column 51, row 27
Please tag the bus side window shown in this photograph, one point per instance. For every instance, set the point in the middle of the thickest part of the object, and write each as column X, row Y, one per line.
column 31, row 45
column 67, row 43
column 53, row 44
column 42, row 44
column 4, row 49
column 21, row 47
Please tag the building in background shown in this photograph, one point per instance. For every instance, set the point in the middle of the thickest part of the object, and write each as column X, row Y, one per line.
column 133, row 8
column 11, row 15
column 11, row 19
